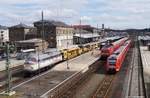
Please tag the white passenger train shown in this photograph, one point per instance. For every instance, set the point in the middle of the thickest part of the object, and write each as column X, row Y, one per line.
column 38, row 61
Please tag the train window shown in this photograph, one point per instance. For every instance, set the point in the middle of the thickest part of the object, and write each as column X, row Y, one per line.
column 112, row 61
column 33, row 59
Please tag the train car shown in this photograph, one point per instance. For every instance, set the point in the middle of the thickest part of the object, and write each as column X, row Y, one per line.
column 85, row 48
column 108, row 49
column 39, row 61
column 115, row 60
column 71, row 53
column 109, row 39
column 89, row 46
column 78, row 50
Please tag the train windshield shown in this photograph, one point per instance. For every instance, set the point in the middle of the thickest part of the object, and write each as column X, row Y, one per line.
column 31, row 60
column 112, row 61
column 23, row 54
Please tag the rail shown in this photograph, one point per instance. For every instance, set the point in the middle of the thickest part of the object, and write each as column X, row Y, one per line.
column 135, row 90
column 104, row 87
column 63, row 87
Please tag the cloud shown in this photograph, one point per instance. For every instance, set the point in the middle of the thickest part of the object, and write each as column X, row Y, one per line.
column 114, row 13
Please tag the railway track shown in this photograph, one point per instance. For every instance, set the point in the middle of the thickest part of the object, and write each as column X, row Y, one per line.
column 135, row 82
column 104, row 87
column 68, row 88
column 16, row 72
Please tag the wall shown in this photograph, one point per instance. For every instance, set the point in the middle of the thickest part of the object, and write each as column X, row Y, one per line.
column 4, row 35
column 64, row 36
column 16, row 34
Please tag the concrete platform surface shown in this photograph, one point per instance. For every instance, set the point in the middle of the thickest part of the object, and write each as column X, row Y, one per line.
column 13, row 63
column 78, row 63
column 145, row 56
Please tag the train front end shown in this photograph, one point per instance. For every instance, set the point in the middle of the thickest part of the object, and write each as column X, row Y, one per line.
column 106, row 52
column 30, row 64
column 111, row 64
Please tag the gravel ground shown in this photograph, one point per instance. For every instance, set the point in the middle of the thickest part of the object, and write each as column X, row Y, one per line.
column 39, row 86
column 89, row 87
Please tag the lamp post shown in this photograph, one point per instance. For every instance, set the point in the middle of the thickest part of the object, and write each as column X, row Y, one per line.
column 8, row 91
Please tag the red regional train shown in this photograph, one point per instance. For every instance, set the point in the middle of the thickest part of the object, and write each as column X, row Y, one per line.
column 115, row 60
column 107, row 50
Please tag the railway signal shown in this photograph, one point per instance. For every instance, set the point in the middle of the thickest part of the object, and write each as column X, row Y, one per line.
column 7, row 47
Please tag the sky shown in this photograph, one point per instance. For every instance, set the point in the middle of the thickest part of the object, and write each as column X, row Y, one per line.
column 116, row 14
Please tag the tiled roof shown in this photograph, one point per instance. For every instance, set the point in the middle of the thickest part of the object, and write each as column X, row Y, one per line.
column 21, row 25
column 52, row 22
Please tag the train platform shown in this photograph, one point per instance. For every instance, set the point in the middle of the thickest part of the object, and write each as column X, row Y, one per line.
column 13, row 63
column 78, row 63
column 145, row 55
column 41, row 85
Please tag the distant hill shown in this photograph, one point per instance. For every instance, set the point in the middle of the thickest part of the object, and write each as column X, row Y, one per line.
column 129, row 30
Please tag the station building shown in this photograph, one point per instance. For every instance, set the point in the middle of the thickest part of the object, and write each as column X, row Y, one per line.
column 36, row 43
column 4, row 34
column 144, row 40
column 21, row 32
column 84, row 38
column 56, row 33
column 88, row 28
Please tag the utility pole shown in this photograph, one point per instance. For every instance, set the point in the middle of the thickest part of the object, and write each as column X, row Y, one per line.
column 103, row 31
column 43, row 35
column 8, row 91
column 80, row 31
column 67, row 53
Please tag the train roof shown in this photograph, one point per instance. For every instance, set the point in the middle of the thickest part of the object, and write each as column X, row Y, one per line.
column 144, row 38
column 28, row 50
column 117, row 52
column 68, row 47
column 89, row 43
column 49, row 50
column 116, row 42
column 41, row 56
column 113, row 38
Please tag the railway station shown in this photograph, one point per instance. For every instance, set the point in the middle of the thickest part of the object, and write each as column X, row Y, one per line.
column 74, row 49
column 81, row 72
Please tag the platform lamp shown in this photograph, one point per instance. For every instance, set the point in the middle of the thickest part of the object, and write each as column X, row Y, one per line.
column 7, row 47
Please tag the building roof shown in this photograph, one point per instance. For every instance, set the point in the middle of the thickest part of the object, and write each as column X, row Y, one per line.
column 82, row 31
column 82, row 26
column 21, row 25
column 86, row 27
column 51, row 23
column 89, row 35
column 3, row 27
column 35, row 40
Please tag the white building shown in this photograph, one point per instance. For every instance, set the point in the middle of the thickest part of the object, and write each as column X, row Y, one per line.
column 4, row 34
